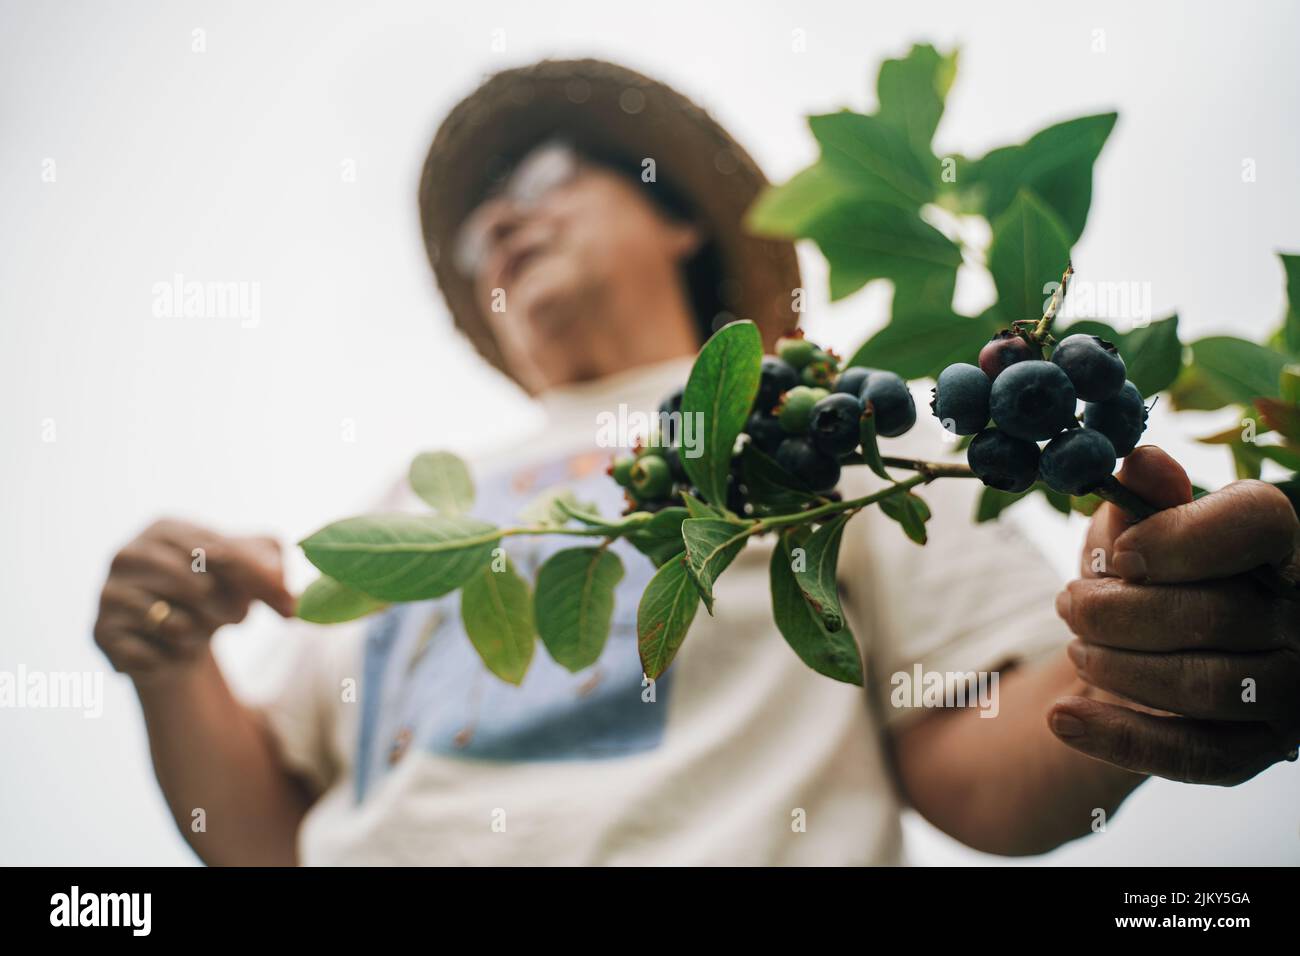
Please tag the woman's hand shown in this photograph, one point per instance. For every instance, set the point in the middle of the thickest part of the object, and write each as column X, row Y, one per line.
column 171, row 587
column 1168, row 619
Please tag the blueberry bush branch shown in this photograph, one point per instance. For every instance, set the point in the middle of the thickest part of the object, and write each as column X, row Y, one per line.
column 778, row 430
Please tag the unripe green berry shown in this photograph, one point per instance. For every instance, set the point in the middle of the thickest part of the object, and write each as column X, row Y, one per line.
column 651, row 478
column 796, row 351
column 821, row 371
column 796, row 408
column 621, row 470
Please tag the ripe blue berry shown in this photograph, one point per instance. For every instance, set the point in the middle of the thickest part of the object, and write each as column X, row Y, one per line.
column 1122, row 419
column 674, row 458
column 1004, row 349
column 1093, row 364
column 795, row 350
column 765, row 432
column 796, row 408
column 798, row 457
column 1003, row 461
column 892, row 403
column 1076, row 461
column 1032, row 400
column 834, row 427
column 852, row 380
column 651, row 478
column 961, row 399
column 668, row 407
column 775, row 378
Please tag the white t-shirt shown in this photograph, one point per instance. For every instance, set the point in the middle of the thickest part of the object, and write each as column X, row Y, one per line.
column 744, row 756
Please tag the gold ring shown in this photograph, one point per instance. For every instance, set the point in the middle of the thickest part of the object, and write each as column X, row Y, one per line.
column 158, row 612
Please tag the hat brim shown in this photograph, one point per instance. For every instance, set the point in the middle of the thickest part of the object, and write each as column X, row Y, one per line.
column 604, row 109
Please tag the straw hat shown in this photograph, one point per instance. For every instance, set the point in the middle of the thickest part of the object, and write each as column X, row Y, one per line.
column 606, row 110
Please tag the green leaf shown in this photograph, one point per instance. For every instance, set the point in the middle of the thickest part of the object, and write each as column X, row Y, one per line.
column 835, row 654
column 768, row 485
column 1056, row 163
column 664, row 616
column 327, row 601
column 864, row 240
column 722, row 386
column 789, row 210
column 873, row 158
column 922, row 345
column 1152, row 353
column 992, row 502
column 870, row 447
column 1285, row 455
column 401, row 557
column 912, row 91
column 596, row 522
column 1281, row 417
column 910, row 512
column 1030, row 249
column 661, row 538
column 1291, row 327
column 817, row 580
column 497, row 612
column 1227, row 371
column 575, row 604
column 711, row 545
column 442, row 480
column 697, row 508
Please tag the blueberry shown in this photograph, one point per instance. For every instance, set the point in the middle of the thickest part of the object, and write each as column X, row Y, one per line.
column 961, row 399
column 892, row 403
column 795, row 350
column 620, row 469
column 1122, row 419
column 765, row 432
column 651, row 478
column 796, row 408
column 1003, row 461
column 671, row 406
column 1076, row 461
column 834, row 427
column 1032, row 400
column 799, row 458
column 1093, row 364
column 852, row 380
column 1004, row 349
column 776, row 378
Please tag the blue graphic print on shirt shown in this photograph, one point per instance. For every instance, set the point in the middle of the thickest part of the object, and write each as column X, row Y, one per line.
column 424, row 686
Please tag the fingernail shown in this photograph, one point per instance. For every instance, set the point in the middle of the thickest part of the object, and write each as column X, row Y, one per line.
column 1063, row 605
column 1067, row 725
column 1130, row 565
column 1078, row 653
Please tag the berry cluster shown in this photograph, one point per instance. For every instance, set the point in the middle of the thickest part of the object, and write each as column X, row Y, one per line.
column 807, row 417
column 1031, row 399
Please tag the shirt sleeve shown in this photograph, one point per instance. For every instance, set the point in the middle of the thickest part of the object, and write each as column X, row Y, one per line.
column 976, row 597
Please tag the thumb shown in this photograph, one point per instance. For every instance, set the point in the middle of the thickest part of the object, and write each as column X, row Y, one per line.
column 254, row 565
column 1153, row 476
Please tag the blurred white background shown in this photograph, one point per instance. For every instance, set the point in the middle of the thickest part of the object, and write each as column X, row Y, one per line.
column 227, row 165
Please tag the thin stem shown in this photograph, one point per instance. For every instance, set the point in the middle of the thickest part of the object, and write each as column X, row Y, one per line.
column 1044, row 326
column 836, row 507
column 542, row 529
column 930, row 469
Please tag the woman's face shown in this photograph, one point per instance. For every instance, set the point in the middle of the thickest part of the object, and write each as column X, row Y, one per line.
column 564, row 276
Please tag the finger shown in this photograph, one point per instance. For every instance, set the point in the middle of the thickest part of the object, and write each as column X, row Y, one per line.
column 158, row 566
column 129, row 603
column 248, row 567
column 1237, row 529
column 1205, row 684
column 130, row 653
column 1153, row 476
column 1212, row 616
column 1190, row 751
